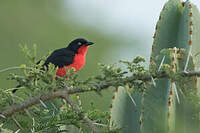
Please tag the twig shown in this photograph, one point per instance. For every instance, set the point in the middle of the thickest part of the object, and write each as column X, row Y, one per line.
column 54, row 106
column 13, row 68
column 85, row 118
column 28, row 113
column 17, row 123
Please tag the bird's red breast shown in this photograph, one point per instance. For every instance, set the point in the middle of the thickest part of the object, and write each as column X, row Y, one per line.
column 78, row 61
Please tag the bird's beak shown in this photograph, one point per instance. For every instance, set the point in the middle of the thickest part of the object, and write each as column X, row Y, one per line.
column 89, row 43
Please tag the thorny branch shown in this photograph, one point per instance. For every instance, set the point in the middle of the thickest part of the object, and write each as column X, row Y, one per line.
column 63, row 93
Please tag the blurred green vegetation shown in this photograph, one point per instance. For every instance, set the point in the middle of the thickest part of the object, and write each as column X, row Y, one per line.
column 40, row 22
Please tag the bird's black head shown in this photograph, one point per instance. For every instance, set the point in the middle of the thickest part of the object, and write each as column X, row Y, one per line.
column 77, row 43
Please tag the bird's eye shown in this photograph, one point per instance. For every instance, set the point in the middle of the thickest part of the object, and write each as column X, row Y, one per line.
column 79, row 43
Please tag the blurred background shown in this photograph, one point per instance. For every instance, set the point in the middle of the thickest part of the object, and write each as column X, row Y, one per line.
column 120, row 30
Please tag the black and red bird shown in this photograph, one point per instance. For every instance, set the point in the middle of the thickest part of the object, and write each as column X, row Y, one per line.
column 71, row 56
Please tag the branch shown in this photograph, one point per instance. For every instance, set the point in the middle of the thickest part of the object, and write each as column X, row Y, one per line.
column 165, row 75
column 190, row 74
column 45, row 97
column 61, row 93
column 35, row 100
column 85, row 118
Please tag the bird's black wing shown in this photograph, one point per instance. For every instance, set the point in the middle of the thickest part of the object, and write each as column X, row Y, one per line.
column 61, row 57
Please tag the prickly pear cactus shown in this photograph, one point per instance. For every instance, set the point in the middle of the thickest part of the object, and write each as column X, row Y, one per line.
column 164, row 107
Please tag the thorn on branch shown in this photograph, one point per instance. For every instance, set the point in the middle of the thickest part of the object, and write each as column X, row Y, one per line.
column 43, row 104
column 176, row 92
column 153, row 81
column 17, row 131
column 188, row 58
column 99, row 124
column 130, row 97
column 2, row 116
column 161, row 63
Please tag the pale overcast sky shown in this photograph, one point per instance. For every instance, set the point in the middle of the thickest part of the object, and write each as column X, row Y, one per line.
column 140, row 15
column 126, row 19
